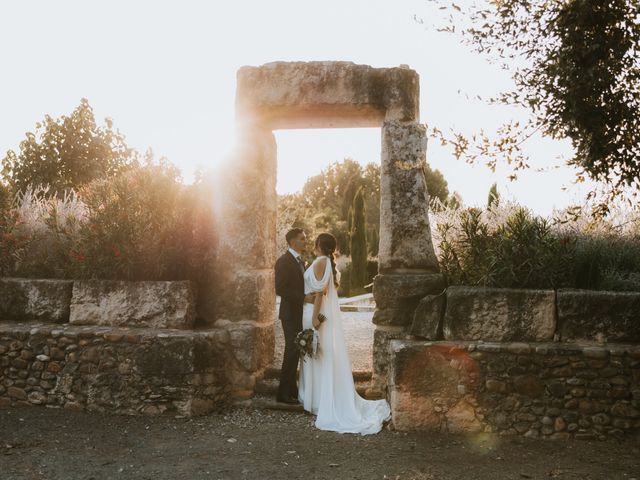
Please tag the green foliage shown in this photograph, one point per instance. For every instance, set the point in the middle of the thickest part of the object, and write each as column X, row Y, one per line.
column 358, row 242
column 454, row 201
column 324, row 202
column 12, row 239
column 372, row 271
column 373, row 241
column 344, row 290
column 576, row 68
column 142, row 224
column 437, row 186
column 494, row 197
column 607, row 262
column 523, row 251
column 5, row 197
column 67, row 152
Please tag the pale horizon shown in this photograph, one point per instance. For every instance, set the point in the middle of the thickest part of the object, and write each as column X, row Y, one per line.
column 165, row 73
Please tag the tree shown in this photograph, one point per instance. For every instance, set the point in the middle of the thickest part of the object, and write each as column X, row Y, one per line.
column 576, row 68
column 454, row 201
column 358, row 242
column 373, row 241
column 67, row 152
column 436, row 184
column 494, row 196
column 325, row 200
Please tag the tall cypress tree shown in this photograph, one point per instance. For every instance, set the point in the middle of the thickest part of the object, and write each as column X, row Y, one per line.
column 494, row 196
column 358, row 243
column 373, row 241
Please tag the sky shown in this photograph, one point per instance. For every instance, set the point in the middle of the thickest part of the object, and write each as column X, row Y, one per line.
column 165, row 73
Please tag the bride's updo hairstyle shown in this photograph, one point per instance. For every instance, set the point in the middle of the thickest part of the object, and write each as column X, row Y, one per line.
column 327, row 244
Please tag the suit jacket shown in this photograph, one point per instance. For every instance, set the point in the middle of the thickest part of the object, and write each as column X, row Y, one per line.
column 290, row 287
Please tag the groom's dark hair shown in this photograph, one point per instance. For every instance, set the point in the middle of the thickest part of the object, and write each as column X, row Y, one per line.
column 293, row 233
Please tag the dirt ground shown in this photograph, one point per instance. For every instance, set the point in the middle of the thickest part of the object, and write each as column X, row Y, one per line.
column 47, row 443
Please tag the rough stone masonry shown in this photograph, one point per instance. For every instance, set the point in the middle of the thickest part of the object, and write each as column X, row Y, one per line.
column 283, row 95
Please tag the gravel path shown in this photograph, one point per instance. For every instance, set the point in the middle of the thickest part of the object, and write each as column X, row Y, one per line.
column 52, row 444
column 358, row 331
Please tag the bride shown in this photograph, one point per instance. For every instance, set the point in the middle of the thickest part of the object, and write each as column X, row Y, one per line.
column 326, row 386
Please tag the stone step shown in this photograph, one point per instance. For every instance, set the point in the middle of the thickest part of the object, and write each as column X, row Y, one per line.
column 269, row 387
column 358, row 375
column 268, row 402
column 261, row 402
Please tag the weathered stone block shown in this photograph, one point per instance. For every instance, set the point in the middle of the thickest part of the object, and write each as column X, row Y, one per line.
column 499, row 314
column 392, row 316
column 326, row 94
column 432, row 386
column 35, row 299
column 405, row 232
column 166, row 356
column 246, row 205
column 427, row 318
column 394, row 290
column 252, row 344
column 248, row 295
column 381, row 337
column 409, row 412
column 156, row 304
column 598, row 316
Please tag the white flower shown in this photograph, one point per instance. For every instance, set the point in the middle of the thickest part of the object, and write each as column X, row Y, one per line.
column 303, row 342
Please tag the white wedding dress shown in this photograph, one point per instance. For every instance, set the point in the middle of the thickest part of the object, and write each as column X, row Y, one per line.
column 325, row 386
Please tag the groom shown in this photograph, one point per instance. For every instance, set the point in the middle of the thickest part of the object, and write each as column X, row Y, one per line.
column 290, row 287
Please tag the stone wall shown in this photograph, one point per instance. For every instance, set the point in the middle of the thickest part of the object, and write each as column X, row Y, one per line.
column 126, row 347
column 510, row 314
column 542, row 363
column 128, row 371
column 550, row 390
column 408, row 266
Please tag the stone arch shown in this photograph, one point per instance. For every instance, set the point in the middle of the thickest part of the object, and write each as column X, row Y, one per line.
column 283, row 95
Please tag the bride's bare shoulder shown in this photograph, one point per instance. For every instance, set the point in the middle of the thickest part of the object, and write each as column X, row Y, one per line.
column 319, row 264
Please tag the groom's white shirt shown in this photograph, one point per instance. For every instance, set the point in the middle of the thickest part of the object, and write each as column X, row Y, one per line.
column 294, row 253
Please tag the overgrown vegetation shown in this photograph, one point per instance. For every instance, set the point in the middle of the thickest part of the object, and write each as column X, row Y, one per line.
column 84, row 212
column 575, row 65
column 507, row 246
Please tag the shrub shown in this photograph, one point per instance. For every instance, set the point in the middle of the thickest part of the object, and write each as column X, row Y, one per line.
column 605, row 261
column 345, row 289
column 507, row 246
column 142, row 224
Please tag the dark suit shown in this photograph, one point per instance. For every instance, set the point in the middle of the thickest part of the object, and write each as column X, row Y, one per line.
column 290, row 288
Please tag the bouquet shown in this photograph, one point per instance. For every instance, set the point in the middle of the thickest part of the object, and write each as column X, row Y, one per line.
column 307, row 342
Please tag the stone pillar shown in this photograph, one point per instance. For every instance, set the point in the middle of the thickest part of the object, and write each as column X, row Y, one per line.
column 245, row 298
column 408, row 264
column 405, row 234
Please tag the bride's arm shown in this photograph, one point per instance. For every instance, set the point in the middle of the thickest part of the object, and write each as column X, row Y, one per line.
column 316, row 310
column 318, row 271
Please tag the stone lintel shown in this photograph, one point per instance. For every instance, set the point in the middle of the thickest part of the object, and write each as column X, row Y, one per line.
column 326, row 94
